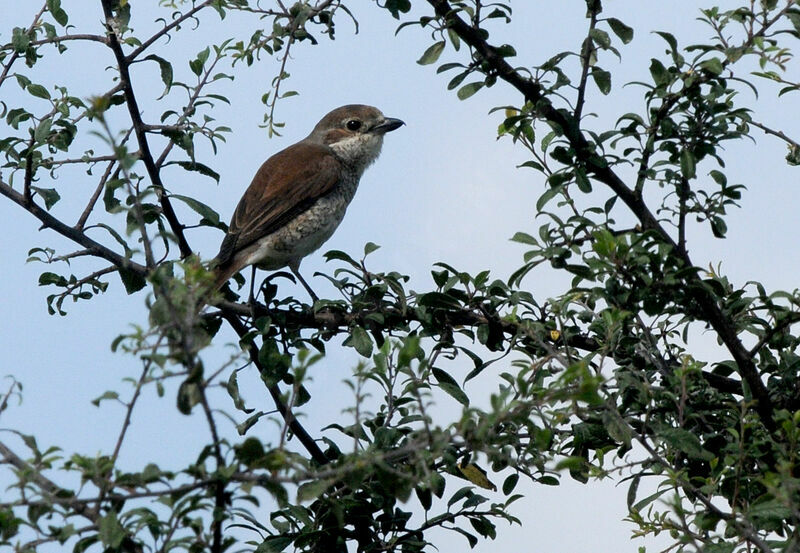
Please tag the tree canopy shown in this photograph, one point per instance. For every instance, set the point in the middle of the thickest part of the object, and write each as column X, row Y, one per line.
column 647, row 366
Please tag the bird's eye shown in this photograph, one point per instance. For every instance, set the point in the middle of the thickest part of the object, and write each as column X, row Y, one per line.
column 353, row 124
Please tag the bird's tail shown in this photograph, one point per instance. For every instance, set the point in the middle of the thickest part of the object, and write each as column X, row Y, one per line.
column 223, row 274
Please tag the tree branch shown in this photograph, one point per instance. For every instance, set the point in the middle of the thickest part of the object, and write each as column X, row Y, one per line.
column 587, row 52
column 601, row 171
column 15, row 54
column 141, row 134
column 294, row 425
column 77, row 236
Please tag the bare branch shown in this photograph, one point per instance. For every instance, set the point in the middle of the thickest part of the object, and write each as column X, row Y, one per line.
column 773, row 132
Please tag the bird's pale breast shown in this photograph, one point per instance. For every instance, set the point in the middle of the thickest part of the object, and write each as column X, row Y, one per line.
column 306, row 232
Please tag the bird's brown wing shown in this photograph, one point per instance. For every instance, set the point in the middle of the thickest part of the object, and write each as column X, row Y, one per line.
column 287, row 184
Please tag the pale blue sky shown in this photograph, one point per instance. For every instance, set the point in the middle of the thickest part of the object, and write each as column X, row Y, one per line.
column 444, row 190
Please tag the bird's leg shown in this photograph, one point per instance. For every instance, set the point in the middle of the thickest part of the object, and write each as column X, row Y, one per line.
column 295, row 268
column 252, row 299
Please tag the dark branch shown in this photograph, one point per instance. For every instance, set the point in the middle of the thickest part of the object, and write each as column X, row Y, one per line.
column 141, row 134
column 294, row 425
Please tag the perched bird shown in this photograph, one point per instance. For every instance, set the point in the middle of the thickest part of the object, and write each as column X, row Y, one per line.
column 299, row 196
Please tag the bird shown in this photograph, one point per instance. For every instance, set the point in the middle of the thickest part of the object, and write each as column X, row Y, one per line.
column 298, row 197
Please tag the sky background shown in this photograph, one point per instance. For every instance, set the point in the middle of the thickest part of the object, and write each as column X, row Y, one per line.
column 445, row 189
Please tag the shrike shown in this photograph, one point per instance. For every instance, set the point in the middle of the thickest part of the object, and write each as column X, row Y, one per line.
column 299, row 196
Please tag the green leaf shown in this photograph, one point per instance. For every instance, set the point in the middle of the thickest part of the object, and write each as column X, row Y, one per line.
column 131, row 280
column 110, row 531
column 659, row 73
column 718, row 177
column 20, row 40
column 673, row 43
column 506, row 51
column 719, row 547
column 602, row 79
column 449, row 385
column 199, row 207
column 49, row 195
column 624, row 32
column 770, row 509
column 425, row 497
column 793, row 157
column 548, row 480
column 243, row 427
column 458, row 79
column 42, row 130
column 616, row 427
column 196, row 167
column 166, row 71
column 189, row 395
column 582, row 180
column 274, row 544
column 197, row 64
column 312, row 490
column 469, row 89
column 713, row 66
column 396, row 7
column 447, row 67
column 510, row 483
column 232, row 388
column 432, row 53
column 719, row 228
column 361, row 341
column 524, row 238
column 686, row 441
column 439, row 300
column 106, row 395
column 48, row 278
column 54, row 7
column 688, row 169
column 39, row 91
column 370, row 247
column 340, row 256
column 459, row 495
column 648, row 500
column 112, row 204
column 600, row 38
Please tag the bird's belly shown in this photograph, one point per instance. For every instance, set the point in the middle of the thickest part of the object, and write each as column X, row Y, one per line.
column 299, row 237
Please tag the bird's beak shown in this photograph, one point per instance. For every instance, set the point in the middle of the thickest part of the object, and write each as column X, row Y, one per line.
column 387, row 125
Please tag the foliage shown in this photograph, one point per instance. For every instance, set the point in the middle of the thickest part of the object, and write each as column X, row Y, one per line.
column 598, row 381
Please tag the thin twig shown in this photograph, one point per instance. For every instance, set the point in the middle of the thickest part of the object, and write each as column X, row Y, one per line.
column 219, row 485
column 188, row 109
column 127, row 421
column 587, row 52
column 96, row 194
column 779, row 134
column 66, row 38
column 15, row 54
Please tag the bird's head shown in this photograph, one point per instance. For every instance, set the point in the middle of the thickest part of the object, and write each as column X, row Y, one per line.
column 355, row 133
